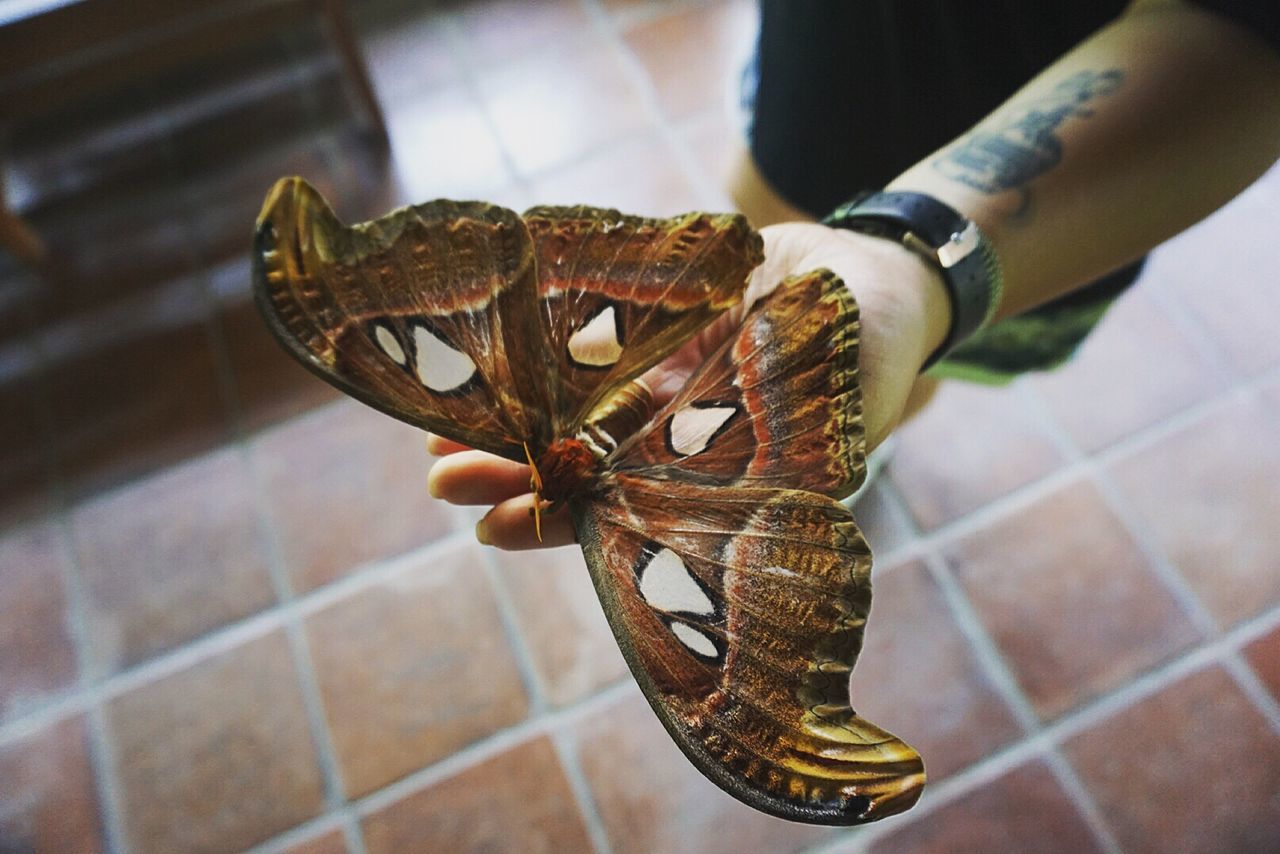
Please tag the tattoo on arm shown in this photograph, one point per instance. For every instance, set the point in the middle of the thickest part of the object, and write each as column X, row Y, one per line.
column 1021, row 145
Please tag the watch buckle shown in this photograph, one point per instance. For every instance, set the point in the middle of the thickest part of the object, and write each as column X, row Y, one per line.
column 961, row 244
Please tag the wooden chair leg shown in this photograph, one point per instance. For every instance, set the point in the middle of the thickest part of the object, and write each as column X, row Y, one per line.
column 345, row 41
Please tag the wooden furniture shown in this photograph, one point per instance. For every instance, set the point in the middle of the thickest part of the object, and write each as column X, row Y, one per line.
column 53, row 52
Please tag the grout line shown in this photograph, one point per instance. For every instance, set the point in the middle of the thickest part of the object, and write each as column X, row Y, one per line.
column 1188, row 323
column 299, row 834
column 566, row 748
column 308, row 683
column 984, row 648
column 539, row 705
column 1052, row 736
column 1002, row 676
column 468, row 79
column 1114, row 501
column 1247, row 679
column 1078, row 795
column 1160, row 563
column 610, row 29
column 220, row 640
column 87, row 697
column 486, row 748
column 528, row 670
column 263, row 622
column 460, row 761
column 1028, row 493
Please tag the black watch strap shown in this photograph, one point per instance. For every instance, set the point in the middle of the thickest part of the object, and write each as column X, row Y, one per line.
column 951, row 242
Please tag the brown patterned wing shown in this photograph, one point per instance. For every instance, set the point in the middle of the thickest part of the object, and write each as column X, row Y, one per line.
column 740, row 612
column 428, row 314
column 778, row 404
column 620, row 293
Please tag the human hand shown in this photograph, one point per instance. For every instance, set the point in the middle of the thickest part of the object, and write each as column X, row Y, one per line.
column 904, row 310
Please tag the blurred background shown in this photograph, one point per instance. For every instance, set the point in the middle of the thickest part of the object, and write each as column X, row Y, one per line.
column 231, row 617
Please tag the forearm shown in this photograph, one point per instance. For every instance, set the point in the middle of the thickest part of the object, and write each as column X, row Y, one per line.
column 1145, row 128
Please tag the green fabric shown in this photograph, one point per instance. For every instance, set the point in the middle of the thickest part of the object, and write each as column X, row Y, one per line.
column 1038, row 340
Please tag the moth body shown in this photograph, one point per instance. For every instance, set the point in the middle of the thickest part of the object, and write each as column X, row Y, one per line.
column 568, row 468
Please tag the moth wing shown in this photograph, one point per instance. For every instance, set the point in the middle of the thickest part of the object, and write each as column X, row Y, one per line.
column 618, row 293
column 740, row 612
column 428, row 314
column 777, row 405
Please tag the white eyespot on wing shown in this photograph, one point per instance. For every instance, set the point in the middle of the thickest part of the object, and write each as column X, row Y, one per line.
column 694, row 639
column 596, row 344
column 690, row 430
column 439, row 366
column 665, row 583
column 389, row 343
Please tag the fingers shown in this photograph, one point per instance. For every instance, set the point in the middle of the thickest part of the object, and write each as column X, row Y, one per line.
column 510, row 526
column 475, row 477
column 439, row 446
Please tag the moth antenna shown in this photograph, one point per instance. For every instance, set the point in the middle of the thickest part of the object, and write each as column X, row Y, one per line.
column 535, row 483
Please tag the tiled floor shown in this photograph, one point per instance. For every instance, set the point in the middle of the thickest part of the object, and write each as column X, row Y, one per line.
column 230, row 616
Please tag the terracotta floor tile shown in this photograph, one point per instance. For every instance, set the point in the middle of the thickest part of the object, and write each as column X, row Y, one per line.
column 270, row 384
column 652, row 799
column 561, row 622
column 37, row 650
column 444, row 148
column 1264, row 655
column 1232, row 254
column 1025, row 810
column 48, row 801
column 406, row 52
column 167, row 559
column 971, row 445
column 1193, row 768
column 559, row 103
column 134, row 387
column 517, row 801
column 346, row 485
column 1069, row 599
column 494, row 31
column 198, row 752
column 1134, row 369
column 1209, row 494
column 694, row 57
column 414, row 668
column 638, row 177
column 918, row 678
column 331, row 842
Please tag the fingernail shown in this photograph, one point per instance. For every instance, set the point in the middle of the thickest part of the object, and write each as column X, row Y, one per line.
column 482, row 533
column 432, row 489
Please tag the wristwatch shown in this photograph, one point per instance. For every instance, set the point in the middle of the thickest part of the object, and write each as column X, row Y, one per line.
column 949, row 241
